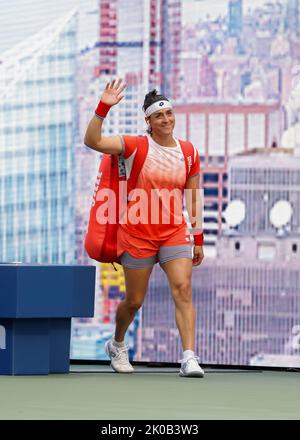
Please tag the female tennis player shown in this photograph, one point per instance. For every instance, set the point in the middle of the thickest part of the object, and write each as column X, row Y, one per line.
column 141, row 244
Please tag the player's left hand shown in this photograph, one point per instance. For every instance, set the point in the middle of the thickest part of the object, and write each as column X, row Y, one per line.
column 198, row 255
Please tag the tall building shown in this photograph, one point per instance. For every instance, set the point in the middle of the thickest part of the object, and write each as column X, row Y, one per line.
column 191, row 65
column 292, row 16
column 248, row 298
column 37, row 133
column 139, row 42
column 220, row 130
column 108, row 37
column 171, row 35
column 235, row 17
column 207, row 83
column 130, row 48
column 130, row 38
column 87, row 160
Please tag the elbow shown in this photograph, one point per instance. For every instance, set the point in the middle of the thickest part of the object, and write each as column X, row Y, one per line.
column 94, row 146
column 87, row 145
column 88, row 142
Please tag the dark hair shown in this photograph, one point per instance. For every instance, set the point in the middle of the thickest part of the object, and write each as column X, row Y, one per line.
column 151, row 98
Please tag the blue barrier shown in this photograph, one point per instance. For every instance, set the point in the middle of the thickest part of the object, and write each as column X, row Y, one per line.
column 37, row 302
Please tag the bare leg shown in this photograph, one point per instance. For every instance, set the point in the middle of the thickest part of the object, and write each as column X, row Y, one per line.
column 179, row 273
column 136, row 282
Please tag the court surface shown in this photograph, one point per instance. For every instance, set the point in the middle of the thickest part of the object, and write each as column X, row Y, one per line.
column 93, row 392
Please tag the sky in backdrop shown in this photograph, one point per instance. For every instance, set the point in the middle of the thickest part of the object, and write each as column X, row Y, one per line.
column 21, row 18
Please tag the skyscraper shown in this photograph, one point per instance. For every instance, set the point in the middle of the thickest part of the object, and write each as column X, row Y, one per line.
column 235, row 18
column 292, row 16
column 140, row 42
column 37, row 120
column 108, row 37
column 207, row 83
column 171, row 36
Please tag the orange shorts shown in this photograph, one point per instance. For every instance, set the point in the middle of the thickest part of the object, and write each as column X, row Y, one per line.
column 140, row 247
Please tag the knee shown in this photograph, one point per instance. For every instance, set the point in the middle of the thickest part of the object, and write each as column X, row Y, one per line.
column 182, row 292
column 133, row 304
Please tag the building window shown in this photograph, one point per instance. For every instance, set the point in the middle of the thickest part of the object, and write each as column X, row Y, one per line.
column 208, row 177
column 266, row 251
column 294, row 248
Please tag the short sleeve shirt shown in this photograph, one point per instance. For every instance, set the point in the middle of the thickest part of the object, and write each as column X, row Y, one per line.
column 155, row 208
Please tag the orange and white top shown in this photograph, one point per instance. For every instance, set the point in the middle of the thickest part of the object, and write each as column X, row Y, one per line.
column 154, row 210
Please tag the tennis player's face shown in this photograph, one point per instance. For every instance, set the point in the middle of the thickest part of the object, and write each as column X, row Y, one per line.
column 162, row 122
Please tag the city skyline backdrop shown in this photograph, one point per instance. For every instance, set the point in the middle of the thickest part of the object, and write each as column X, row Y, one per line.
column 20, row 18
column 232, row 77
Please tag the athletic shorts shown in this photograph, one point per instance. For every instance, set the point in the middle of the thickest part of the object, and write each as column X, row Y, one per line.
column 140, row 253
column 165, row 253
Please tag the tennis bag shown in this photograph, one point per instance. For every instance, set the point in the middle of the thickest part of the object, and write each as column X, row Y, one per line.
column 101, row 237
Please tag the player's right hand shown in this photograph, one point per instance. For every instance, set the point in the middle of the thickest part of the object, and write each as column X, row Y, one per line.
column 112, row 94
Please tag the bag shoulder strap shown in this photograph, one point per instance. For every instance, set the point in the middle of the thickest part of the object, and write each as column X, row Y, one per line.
column 188, row 153
column 142, row 147
column 138, row 162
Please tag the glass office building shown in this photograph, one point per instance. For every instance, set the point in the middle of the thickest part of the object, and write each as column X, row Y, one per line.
column 37, row 132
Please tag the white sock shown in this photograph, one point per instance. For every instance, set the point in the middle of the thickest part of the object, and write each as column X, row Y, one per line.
column 188, row 354
column 118, row 344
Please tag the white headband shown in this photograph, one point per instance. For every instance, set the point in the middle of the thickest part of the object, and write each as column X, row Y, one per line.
column 158, row 105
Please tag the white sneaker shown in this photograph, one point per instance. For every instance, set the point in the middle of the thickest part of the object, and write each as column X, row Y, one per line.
column 191, row 368
column 118, row 357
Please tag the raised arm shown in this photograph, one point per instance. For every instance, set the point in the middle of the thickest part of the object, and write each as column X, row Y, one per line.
column 93, row 138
